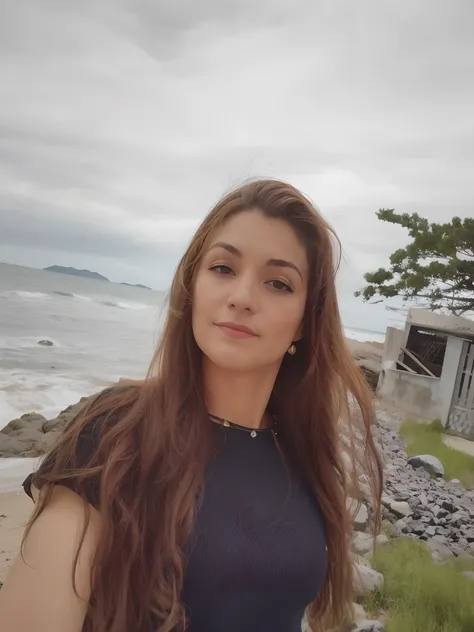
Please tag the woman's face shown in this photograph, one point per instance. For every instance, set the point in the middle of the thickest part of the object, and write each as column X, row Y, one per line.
column 253, row 274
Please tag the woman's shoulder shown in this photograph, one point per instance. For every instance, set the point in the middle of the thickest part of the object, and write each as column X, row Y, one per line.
column 78, row 447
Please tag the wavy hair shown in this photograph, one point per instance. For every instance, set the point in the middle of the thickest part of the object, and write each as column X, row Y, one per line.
column 155, row 436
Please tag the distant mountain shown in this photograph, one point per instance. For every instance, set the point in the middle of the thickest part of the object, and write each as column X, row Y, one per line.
column 74, row 272
column 144, row 287
column 90, row 275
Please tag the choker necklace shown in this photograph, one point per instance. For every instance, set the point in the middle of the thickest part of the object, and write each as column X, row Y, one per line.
column 252, row 432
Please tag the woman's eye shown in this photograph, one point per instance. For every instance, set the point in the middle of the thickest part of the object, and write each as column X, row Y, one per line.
column 221, row 269
column 281, row 286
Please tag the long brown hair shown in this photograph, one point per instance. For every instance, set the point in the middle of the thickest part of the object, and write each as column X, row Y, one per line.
column 154, row 440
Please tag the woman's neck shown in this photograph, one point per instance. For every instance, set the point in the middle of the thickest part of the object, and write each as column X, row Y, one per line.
column 241, row 398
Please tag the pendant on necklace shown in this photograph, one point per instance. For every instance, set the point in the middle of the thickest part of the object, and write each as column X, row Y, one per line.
column 253, row 434
column 226, row 424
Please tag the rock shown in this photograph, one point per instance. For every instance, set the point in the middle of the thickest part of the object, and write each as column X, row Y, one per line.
column 439, row 549
column 11, row 426
column 14, row 446
column 46, row 343
column 400, row 509
column 359, row 613
column 382, row 540
column 361, row 517
column 27, row 435
column 429, row 463
column 387, row 500
column 401, row 526
column 31, row 421
column 441, row 512
column 21, row 442
column 362, row 543
column 370, row 626
column 46, row 443
column 57, row 424
column 366, row 580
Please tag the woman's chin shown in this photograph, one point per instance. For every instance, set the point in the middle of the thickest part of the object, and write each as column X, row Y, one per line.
column 230, row 359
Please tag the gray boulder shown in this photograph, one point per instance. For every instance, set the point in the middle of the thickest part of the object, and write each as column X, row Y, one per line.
column 47, row 441
column 366, row 580
column 30, row 421
column 33, row 435
column 46, row 343
column 400, row 509
column 439, row 548
column 10, row 446
column 54, row 425
column 359, row 613
column 27, row 435
column 429, row 463
column 359, row 514
column 11, row 426
column 362, row 543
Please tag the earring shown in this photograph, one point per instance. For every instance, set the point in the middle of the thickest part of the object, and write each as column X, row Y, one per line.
column 292, row 349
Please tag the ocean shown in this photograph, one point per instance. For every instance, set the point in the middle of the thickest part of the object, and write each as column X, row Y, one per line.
column 100, row 332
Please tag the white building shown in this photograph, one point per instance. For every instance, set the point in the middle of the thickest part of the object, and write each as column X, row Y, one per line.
column 428, row 369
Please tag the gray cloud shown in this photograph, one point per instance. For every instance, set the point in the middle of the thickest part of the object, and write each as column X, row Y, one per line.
column 122, row 122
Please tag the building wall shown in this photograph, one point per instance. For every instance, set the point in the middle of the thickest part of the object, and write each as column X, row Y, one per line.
column 449, row 374
column 393, row 341
column 415, row 394
column 444, row 323
column 462, row 423
column 461, row 413
column 422, row 395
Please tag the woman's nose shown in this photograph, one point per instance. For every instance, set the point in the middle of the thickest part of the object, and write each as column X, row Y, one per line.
column 243, row 294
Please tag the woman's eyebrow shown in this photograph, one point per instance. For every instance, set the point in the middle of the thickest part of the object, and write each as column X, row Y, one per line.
column 280, row 263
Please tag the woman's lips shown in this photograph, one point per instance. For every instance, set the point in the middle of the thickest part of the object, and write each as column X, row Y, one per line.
column 236, row 331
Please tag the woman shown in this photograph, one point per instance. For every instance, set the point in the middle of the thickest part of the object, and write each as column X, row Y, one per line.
column 212, row 495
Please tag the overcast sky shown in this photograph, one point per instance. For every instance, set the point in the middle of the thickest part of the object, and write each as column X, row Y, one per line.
column 123, row 121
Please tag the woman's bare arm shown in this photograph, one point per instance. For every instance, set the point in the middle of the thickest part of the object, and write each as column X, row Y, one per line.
column 38, row 594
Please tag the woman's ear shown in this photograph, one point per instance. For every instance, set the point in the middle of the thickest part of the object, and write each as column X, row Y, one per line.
column 299, row 334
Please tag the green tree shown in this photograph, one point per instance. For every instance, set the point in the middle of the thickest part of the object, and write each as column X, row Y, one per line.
column 436, row 269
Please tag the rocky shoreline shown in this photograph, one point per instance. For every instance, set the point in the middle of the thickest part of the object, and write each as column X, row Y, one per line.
column 32, row 434
column 417, row 502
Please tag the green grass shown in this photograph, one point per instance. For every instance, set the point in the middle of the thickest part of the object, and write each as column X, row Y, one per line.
column 428, row 439
column 418, row 594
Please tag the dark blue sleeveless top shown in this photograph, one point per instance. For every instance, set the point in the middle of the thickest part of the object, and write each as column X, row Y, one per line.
column 257, row 555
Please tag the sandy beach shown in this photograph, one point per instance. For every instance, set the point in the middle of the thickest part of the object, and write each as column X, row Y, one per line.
column 16, row 507
column 367, row 354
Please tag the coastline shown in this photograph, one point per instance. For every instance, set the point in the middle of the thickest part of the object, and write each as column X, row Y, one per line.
column 16, row 506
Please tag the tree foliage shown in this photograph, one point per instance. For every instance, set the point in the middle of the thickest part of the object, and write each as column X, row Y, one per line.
column 436, row 268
